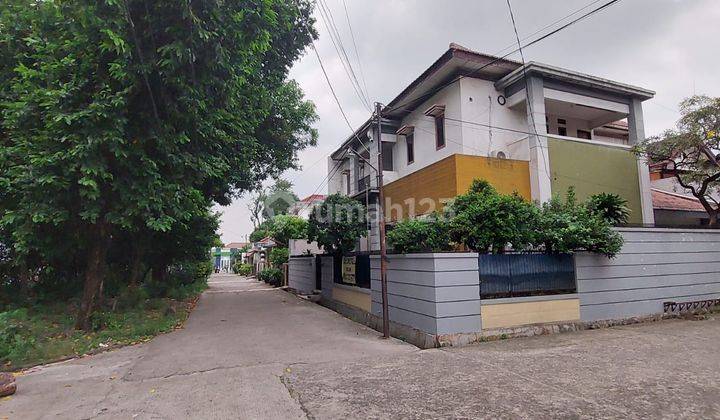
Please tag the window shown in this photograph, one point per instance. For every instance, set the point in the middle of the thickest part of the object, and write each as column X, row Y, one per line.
column 583, row 134
column 562, row 121
column 410, row 144
column 562, row 131
column 387, row 156
column 440, row 131
column 346, row 175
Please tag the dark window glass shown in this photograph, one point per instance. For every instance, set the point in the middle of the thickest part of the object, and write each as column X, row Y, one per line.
column 387, row 152
column 410, row 142
column 562, row 131
column 583, row 134
column 440, row 131
column 562, row 121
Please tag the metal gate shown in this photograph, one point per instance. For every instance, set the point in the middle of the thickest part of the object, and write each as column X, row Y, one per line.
column 516, row 275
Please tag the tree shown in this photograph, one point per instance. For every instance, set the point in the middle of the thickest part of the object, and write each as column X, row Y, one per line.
column 337, row 224
column 486, row 221
column 610, row 207
column 286, row 227
column 134, row 116
column 691, row 149
column 256, row 206
column 420, row 235
column 262, row 231
column 279, row 199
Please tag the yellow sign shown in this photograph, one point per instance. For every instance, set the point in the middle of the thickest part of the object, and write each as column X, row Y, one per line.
column 348, row 270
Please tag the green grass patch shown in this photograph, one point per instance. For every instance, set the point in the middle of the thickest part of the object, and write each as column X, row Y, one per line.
column 43, row 333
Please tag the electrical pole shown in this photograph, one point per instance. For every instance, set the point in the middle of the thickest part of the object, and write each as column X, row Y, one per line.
column 381, row 222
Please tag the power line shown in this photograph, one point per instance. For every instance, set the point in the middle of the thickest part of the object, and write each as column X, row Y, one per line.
column 498, row 59
column 329, row 22
column 357, row 53
column 546, row 165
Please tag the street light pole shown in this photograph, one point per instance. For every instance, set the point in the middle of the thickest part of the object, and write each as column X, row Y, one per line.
column 381, row 222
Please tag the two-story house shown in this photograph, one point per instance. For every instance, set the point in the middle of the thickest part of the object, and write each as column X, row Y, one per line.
column 533, row 129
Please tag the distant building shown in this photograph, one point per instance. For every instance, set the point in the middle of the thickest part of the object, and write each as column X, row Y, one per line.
column 304, row 207
column 672, row 209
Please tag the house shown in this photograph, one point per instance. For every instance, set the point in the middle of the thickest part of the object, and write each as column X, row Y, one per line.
column 304, row 207
column 673, row 209
column 534, row 129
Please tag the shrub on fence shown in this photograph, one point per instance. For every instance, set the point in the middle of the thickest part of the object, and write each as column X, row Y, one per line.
column 420, row 235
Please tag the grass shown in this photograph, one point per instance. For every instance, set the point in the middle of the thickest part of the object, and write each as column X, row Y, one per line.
column 43, row 333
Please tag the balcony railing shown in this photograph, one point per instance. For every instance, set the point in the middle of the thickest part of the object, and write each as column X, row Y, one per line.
column 363, row 183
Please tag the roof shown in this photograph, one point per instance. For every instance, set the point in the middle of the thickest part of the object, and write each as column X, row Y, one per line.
column 557, row 73
column 663, row 200
column 313, row 198
column 236, row 245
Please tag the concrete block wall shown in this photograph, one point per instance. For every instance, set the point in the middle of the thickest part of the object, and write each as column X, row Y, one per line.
column 438, row 293
column 654, row 266
column 301, row 274
column 327, row 273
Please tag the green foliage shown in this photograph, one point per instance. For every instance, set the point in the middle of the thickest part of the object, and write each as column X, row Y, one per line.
column 610, row 207
column 691, row 150
column 262, row 231
column 285, row 227
column 122, row 122
column 568, row 226
column 279, row 199
column 272, row 276
column 279, row 256
column 242, row 269
column 486, row 221
column 420, row 235
column 337, row 224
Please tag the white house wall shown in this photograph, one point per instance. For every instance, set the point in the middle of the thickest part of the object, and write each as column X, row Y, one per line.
column 425, row 150
column 479, row 104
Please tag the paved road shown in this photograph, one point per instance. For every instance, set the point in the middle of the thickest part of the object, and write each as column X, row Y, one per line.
column 253, row 352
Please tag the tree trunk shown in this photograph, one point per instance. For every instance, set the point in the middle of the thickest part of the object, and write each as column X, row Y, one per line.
column 136, row 266
column 713, row 221
column 94, row 276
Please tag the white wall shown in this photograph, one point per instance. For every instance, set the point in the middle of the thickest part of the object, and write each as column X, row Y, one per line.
column 479, row 104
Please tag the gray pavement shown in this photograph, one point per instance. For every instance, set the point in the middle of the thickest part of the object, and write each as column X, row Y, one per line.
column 249, row 351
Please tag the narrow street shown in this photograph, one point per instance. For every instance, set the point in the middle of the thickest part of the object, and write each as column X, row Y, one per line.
column 249, row 351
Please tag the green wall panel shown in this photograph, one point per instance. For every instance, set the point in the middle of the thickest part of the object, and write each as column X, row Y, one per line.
column 593, row 169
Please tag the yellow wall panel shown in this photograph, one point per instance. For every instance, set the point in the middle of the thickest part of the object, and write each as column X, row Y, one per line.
column 449, row 177
column 354, row 298
column 506, row 175
column 435, row 182
column 525, row 313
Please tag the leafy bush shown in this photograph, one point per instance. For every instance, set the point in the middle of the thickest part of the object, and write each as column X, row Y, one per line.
column 273, row 276
column 486, row 221
column 610, row 207
column 15, row 339
column 279, row 256
column 420, row 235
column 337, row 224
column 285, row 227
column 568, row 226
column 242, row 269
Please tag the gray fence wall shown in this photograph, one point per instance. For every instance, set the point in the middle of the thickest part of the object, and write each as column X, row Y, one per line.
column 328, row 276
column 301, row 274
column 435, row 293
column 654, row 266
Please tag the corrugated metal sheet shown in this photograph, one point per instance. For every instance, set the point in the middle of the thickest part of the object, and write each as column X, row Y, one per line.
column 513, row 275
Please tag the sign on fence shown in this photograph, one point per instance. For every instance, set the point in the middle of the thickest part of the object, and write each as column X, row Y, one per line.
column 348, row 270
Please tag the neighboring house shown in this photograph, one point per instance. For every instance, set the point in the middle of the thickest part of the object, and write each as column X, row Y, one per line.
column 259, row 254
column 222, row 258
column 304, row 207
column 471, row 115
column 672, row 209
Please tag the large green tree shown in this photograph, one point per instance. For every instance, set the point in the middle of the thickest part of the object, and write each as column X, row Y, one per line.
column 692, row 151
column 134, row 115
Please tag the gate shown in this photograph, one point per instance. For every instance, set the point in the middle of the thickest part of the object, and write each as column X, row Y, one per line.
column 516, row 275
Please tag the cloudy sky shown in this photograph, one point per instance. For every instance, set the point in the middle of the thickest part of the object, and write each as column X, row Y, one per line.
column 669, row 46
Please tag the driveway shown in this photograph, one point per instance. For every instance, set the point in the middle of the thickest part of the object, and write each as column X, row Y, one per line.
column 249, row 351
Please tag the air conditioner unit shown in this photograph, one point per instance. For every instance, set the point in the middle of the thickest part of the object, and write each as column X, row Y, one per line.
column 499, row 154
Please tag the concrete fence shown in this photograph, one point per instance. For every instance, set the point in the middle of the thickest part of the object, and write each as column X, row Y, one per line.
column 654, row 266
column 438, row 294
column 302, row 274
column 435, row 293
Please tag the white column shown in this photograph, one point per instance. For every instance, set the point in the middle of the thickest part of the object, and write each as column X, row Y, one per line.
column 636, row 127
column 540, row 185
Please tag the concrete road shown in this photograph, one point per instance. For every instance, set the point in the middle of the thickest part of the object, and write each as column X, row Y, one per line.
column 253, row 352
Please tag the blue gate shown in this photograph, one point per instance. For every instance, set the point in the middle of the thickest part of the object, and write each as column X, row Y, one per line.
column 516, row 275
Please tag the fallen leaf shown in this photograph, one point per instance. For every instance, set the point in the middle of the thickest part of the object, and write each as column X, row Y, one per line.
column 288, row 370
column 152, row 391
column 68, row 386
column 113, row 377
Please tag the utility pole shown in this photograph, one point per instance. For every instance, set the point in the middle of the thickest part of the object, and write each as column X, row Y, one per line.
column 381, row 222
